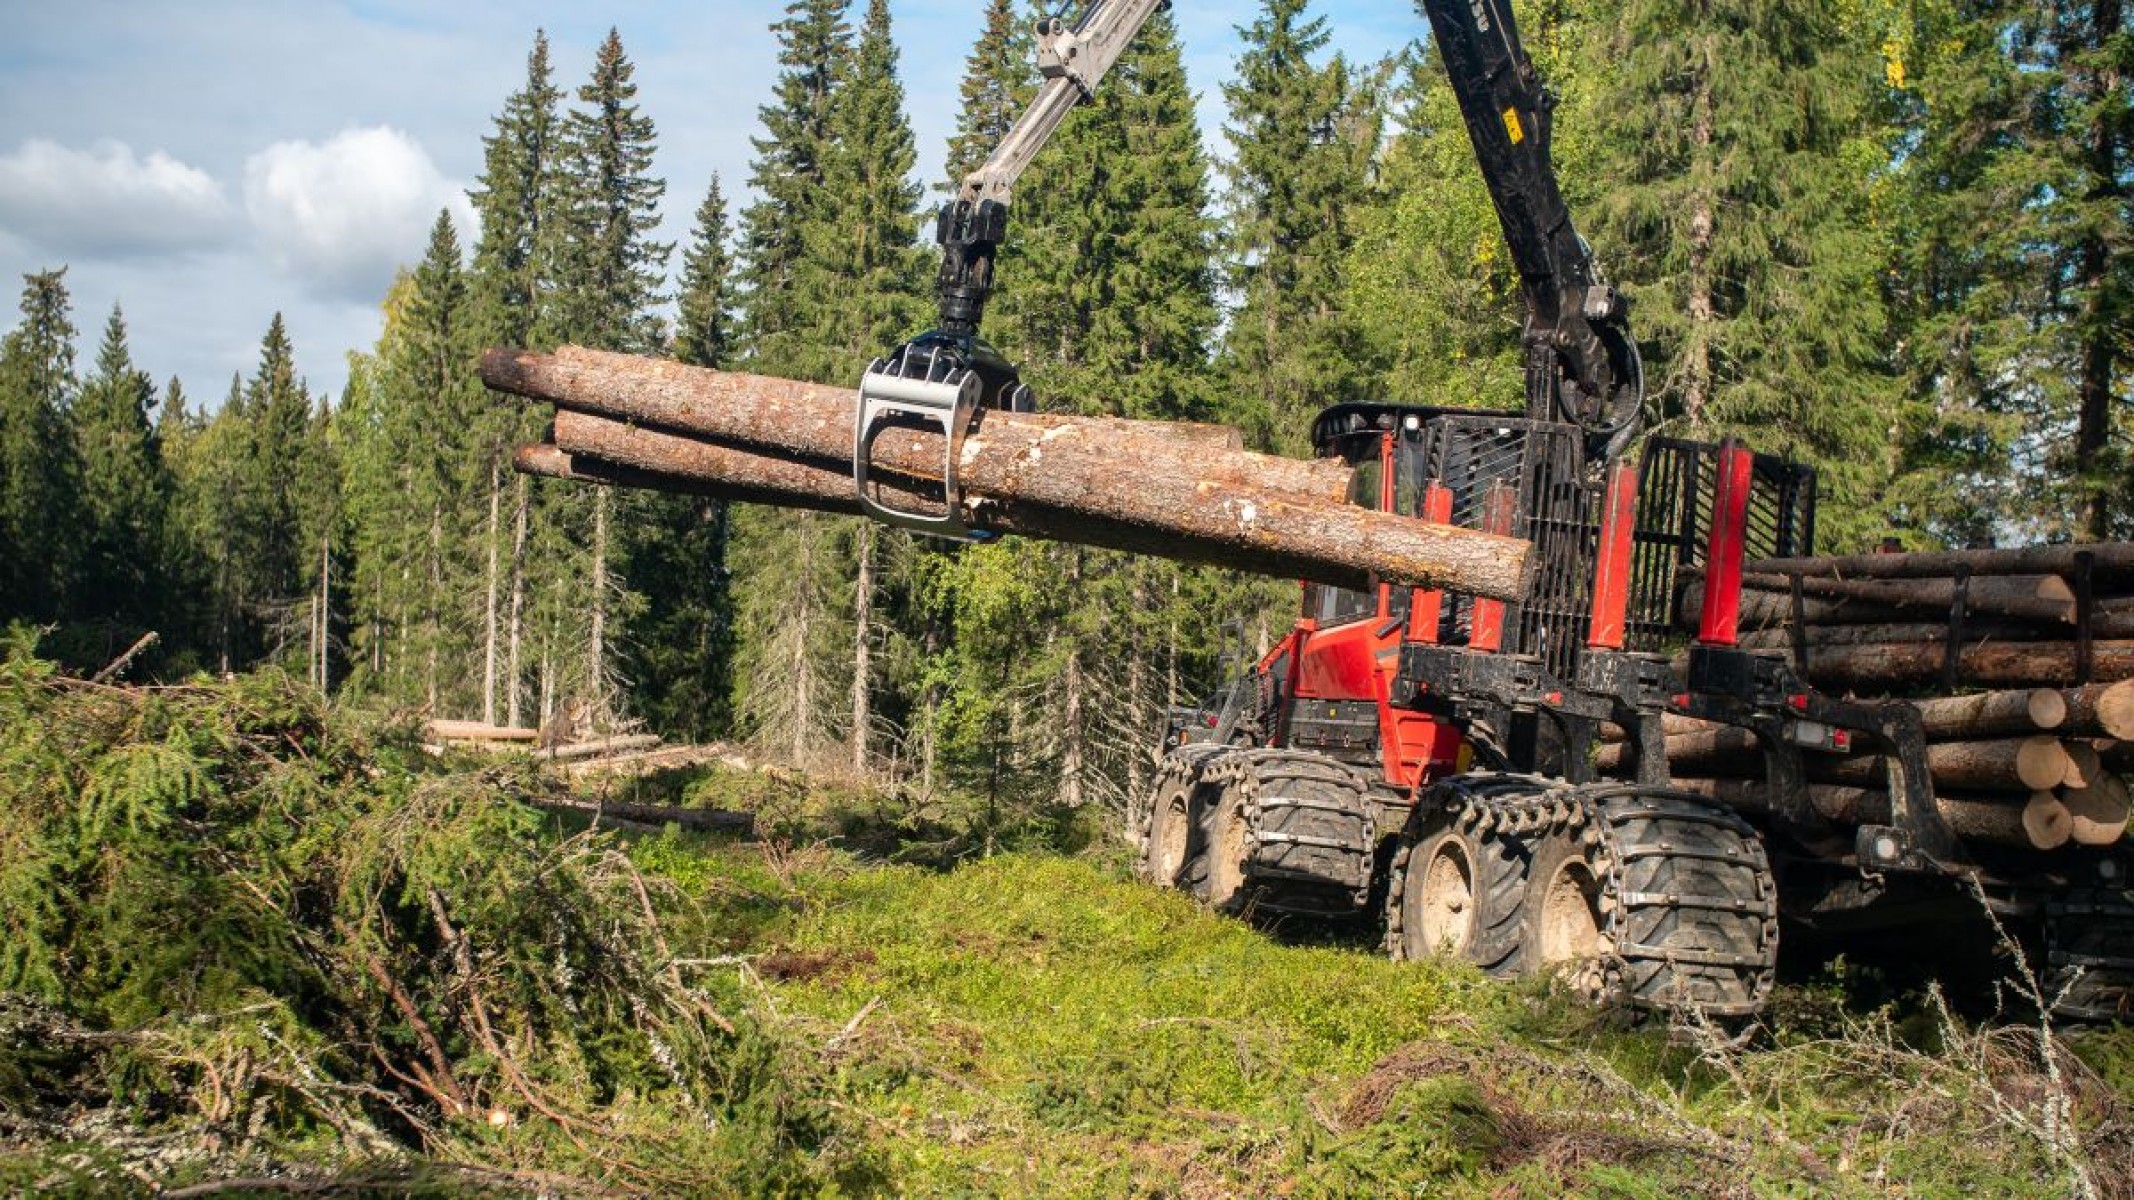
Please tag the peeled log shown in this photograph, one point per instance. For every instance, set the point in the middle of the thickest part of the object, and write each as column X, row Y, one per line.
column 1173, row 516
column 1882, row 667
column 1980, row 820
column 2106, row 708
column 815, row 421
column 2100, row 812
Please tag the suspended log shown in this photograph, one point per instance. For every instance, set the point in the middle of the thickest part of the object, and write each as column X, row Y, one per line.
column 815, row 421
column 1975, row 633
column 2099, row 813
column 1171, row 516
column 1980, row 819
column 2107, row 558
column 1880, row 668
column 2106, row 708
column 550, row 461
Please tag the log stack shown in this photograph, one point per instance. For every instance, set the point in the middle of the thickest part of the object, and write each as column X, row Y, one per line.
column 1178, row 491
column 2020, row 662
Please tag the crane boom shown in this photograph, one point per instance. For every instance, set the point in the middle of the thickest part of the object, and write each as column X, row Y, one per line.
column 1582, row 364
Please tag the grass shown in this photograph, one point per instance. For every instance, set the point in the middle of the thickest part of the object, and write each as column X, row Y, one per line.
column 231, row 899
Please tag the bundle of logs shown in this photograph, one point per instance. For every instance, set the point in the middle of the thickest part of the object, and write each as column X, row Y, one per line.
column 2020, row 662
column 1179, row 491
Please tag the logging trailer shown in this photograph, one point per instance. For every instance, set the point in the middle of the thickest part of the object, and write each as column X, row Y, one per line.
column 1429, row 758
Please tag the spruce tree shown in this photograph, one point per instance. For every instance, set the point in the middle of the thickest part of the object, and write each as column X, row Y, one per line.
column 704, row 333
column 604, row 267
column 125, row 491
column 2009, row 276
column 1297, row 180
column 271, row 546
column 38, row 470
column 998, row 80
column 858, row 282
column 681, row 644
column 513, row 198
column 787, row 175
column 1738, row 150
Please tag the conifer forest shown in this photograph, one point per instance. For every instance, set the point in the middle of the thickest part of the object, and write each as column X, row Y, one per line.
column 1893, row 239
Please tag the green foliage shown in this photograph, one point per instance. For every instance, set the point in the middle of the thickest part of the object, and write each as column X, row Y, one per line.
column 1740, row 152
column 252, row 913
column 38, row 469
column 125, row 497
column 515, row 199
column 1303, row 137
column 997, row 83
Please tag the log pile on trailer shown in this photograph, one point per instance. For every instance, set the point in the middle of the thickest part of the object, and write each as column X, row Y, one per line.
column 2020, row 664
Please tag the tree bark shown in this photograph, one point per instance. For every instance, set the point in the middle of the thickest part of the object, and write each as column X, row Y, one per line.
column 1880, row 668
column 1975, row 819
column 2101, row 708
column 596, row 670
column 489, row 594
column 516, row 624
column 1177, row 518
column 2026, row 764
column 2027, row 597
column 2115, row 559
column 862, row 648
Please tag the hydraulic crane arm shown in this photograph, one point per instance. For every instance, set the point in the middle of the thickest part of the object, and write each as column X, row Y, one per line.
column 1582, row 364
column 940, row 377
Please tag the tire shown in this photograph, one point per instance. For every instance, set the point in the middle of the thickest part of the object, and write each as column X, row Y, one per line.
column 1460, row 877
column 1687, row 906
column 1172, row 839
column 2089, row 957
column 1288, row 832
column 1563, row 921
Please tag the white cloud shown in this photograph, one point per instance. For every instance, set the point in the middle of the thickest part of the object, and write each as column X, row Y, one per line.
column 108, row 202
column 341, row 215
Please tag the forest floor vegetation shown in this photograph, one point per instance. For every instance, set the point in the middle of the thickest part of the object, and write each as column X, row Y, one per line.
column 258, row 945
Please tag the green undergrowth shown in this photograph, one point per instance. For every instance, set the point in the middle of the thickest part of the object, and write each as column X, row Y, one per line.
column 251, row 937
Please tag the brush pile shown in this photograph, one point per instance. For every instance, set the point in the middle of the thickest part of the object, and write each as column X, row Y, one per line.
column 2020, row 662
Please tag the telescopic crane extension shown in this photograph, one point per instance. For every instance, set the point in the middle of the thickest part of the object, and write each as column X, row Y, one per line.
column 1582, row 365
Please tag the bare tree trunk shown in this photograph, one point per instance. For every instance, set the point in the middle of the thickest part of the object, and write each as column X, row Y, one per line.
column 1071, row 731
column 862, row 651
column 1137, row 686
column 803, row 617
column 433, row 632
column 489, row 600
column 516, row 628
column 325, row 608
column 597, row 634
column 1696, row 366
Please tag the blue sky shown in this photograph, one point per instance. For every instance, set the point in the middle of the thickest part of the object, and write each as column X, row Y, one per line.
column 207, row 164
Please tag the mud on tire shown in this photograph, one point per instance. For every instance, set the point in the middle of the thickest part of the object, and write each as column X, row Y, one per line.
column 1173, row 848
column 1687, row 907
column 1291, row 831
column 1462, row 867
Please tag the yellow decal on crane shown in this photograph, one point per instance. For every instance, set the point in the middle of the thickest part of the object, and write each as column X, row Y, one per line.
column 1512, row 126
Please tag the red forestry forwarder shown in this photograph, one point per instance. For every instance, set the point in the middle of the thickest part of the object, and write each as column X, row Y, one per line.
column 1429, row 755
